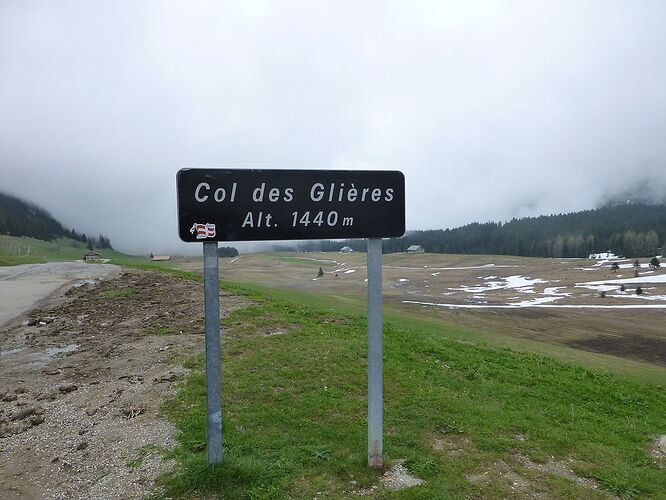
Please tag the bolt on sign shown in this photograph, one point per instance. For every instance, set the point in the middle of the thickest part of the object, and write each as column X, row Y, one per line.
column 257, row 205
column 253, row 205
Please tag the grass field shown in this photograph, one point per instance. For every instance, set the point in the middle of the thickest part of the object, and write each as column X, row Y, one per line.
column 15, row 250
column 469, row 418
column 624, row 341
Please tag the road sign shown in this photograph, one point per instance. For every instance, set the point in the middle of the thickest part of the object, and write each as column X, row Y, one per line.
column 253, row 205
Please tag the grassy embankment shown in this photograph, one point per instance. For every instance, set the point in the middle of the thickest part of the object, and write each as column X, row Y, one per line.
column 468, row 418
column 425, row 320
column 15, row 251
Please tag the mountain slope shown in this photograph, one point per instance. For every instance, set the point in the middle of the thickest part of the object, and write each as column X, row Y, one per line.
column 21, row 218
column 25, row 219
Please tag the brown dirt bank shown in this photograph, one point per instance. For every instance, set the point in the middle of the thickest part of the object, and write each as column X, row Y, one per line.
column 81, row 387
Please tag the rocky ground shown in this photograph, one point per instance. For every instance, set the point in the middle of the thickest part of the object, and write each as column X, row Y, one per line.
column 82, row 379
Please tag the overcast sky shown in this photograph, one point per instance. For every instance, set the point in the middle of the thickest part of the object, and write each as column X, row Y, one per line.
column 491, row 109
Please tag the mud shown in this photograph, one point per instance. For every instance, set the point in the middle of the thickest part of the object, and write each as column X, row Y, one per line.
column 636, row 347
column 81, row 388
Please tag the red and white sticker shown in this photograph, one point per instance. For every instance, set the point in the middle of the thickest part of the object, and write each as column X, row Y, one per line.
column 203, row 231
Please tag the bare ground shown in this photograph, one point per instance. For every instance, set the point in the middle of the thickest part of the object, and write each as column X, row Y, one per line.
column 637, row 335
column 524, row 477
column 81, row 389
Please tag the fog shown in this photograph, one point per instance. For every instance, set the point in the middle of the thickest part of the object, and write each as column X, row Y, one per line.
column 492, row 110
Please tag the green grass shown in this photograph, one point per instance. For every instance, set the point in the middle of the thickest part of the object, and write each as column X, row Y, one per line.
column 121, row 293
column 15, row 250
column 161, row 330
column 15, row 260
column 295, row 412
column 419, row 320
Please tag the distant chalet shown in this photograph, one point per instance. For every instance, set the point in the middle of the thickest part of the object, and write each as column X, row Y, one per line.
column 415, row 249
column 161, row 258
column 92, row 256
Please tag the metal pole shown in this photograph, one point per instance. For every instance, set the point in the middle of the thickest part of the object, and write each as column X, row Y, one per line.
column 375, row 445
column 213, row 372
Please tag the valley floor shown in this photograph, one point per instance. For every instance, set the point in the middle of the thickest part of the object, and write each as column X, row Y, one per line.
column 103, row 391
column 566, row 306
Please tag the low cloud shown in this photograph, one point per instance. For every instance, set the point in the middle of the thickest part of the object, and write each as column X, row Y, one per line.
column 492, row 110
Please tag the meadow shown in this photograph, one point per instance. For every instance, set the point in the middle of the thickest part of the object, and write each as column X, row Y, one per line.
column 23, row 250
column 490, row 389
column 474, row 406
column 574, row 309
column 472, row 413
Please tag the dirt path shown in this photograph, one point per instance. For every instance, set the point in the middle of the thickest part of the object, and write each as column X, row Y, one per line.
column 81, row 388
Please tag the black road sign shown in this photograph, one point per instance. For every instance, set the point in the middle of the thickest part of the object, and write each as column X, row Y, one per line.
column 251, row 205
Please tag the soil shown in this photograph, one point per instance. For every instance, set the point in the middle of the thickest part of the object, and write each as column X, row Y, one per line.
column 634, row 335
column 81, row 387
column 394, row 479
column 629, row 346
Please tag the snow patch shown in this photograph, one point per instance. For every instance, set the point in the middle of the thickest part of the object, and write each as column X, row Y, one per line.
column 554, row 290
column 522, row 305
column 657, row 278
column 518, row 282
column 535, row 302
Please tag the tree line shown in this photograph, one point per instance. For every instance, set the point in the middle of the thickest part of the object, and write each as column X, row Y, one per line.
column 22, row 218
column 227, row 252
column 629, row 230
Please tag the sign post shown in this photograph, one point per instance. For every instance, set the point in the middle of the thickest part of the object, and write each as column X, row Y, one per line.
column 253, row 205
column 213, row 359
column 375, row 389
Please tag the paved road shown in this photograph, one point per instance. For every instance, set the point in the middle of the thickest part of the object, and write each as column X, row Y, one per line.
column 21, row 287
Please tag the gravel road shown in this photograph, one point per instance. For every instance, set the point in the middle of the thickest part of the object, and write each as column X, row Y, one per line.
column 22, row 287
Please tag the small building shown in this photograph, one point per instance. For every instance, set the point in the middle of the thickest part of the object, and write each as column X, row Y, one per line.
column 92, row 255
column 602, row 256
column 415, row 249
column 346, row 250
column 161, row 258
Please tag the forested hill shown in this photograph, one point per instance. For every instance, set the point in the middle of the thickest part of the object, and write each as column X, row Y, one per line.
column 21, row 218
column 630, row 230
